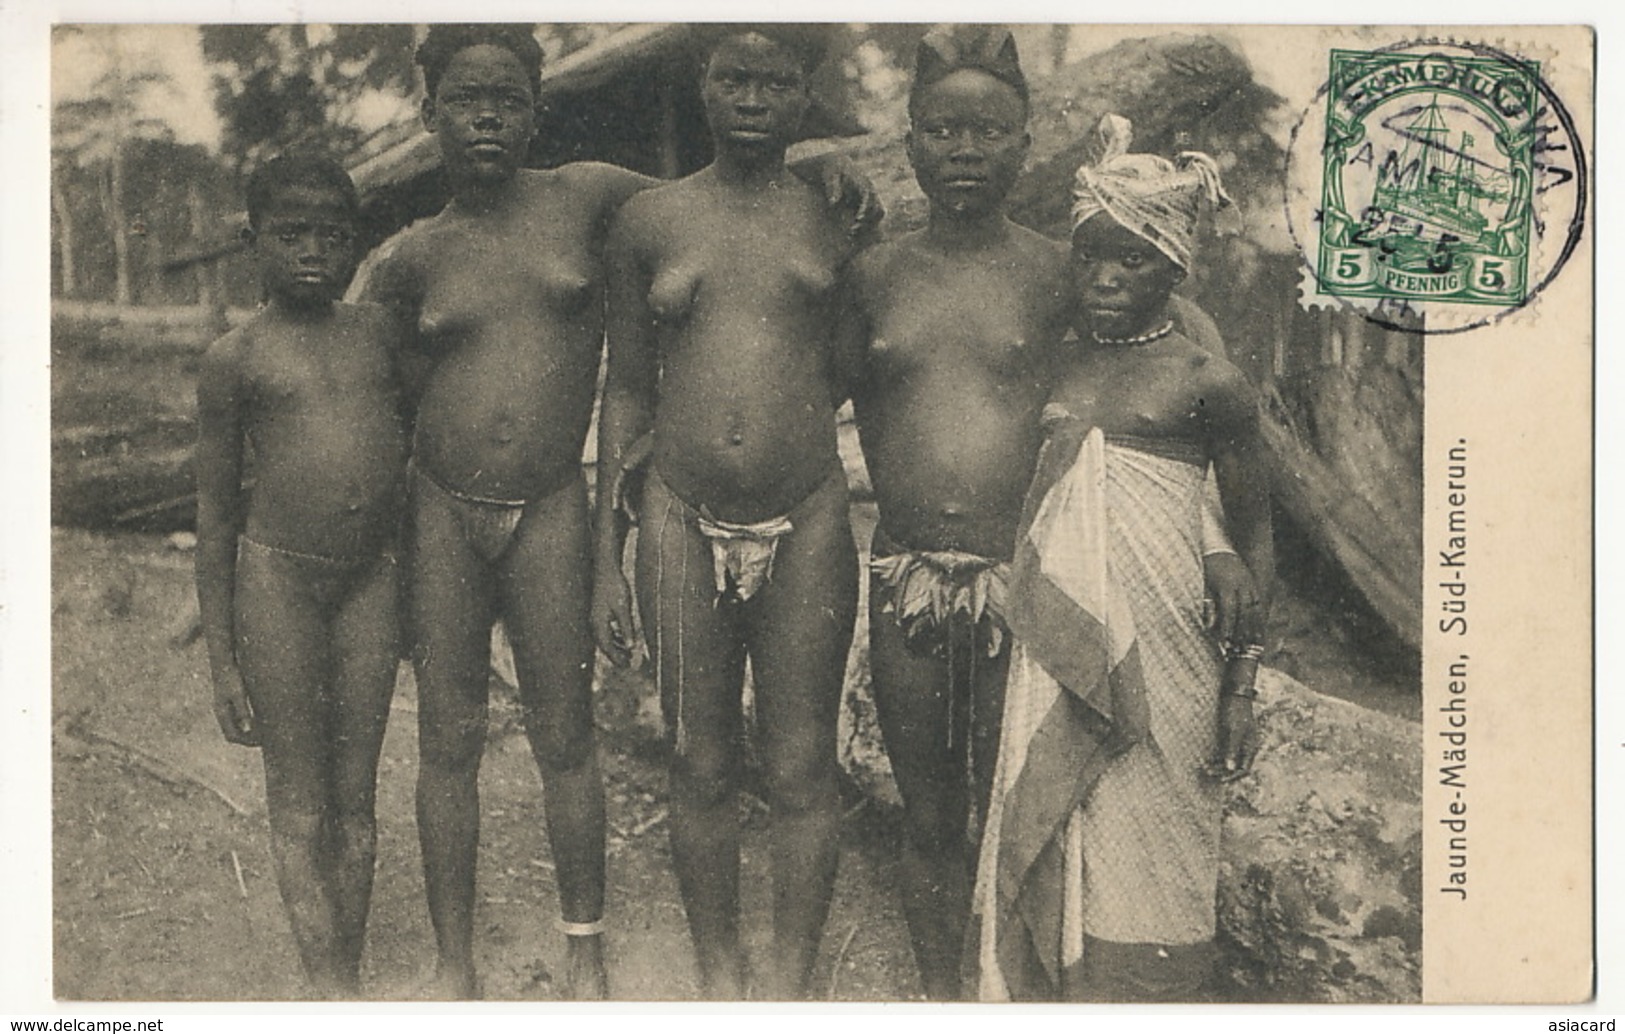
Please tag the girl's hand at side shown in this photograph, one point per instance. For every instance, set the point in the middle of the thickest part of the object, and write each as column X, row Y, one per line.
column 612, row 626
column 232, row 709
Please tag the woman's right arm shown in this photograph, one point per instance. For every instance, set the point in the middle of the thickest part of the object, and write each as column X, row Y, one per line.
column 220, row 513
column 849, row 350
column 626, row 414
column 1242, row 466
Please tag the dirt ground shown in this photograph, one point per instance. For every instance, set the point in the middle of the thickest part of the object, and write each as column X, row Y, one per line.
column 162, row 879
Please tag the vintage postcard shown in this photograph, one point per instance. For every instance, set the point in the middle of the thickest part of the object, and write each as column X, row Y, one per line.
column 858, row 512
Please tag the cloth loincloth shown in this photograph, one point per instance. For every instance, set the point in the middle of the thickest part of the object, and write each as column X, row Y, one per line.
column 742, row 555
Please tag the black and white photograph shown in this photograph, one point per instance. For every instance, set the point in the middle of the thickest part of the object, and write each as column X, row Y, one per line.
column 806, row 511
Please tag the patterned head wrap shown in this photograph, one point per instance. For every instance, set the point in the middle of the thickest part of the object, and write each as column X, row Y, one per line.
column 947, row 49
column 1148, row 195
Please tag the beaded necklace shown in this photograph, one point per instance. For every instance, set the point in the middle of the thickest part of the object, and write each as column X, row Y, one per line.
column 1141, row 339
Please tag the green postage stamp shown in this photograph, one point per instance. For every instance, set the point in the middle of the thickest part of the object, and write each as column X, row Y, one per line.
column 1429, row 177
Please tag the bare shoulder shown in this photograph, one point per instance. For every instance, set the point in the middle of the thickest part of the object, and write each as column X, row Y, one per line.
column 224, row 364
column 411, row 242
column 810, row 205
column 1193, row 321
column 1038, row 248
column 371, row 318
column 608, row 183
column 639, row 221
column 1225, row 392
column 1041, row 263
column 395, row 261
column 877, row 265
column 640, row 214
column 229, row 349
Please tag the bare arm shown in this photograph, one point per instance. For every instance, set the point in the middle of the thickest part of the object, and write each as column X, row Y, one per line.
column 613, row 185
column 391, row 281
column 220, row 515
column 849, row 343
column 626, row 415
column 847, row 192
column 1242, row 465
column 1229, row 584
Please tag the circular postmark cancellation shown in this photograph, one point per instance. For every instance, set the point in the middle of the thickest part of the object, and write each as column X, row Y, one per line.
column 1434, row 185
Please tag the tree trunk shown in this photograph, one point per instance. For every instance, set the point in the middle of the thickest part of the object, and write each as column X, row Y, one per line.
column 115, row 215
column 64, row 235
column 209, row 298
column 1060, row 41
column 671, row 165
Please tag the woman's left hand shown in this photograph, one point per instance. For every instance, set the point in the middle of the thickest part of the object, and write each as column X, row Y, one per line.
column 1238, row 739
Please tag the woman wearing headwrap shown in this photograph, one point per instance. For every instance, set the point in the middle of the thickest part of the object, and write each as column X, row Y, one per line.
column 961, row 323
column 1122, row 716
column 723, row 295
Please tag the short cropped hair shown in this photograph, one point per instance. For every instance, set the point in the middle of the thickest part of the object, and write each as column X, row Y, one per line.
column 298, row 170
column 444, row 42
column 809, row 42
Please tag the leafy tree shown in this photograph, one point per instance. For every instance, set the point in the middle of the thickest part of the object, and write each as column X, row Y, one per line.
column 92, row 133
column 282, row 86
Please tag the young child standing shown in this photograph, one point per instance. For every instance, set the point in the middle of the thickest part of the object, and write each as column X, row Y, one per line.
column 296, row 577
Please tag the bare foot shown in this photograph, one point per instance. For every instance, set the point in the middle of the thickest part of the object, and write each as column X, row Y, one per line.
column 585, row 978
column 450, row 984
column 780, row 988
column 333, row 990
column 732, row 984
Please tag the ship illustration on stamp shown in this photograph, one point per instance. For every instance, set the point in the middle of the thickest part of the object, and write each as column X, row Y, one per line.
column 1429, row 177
